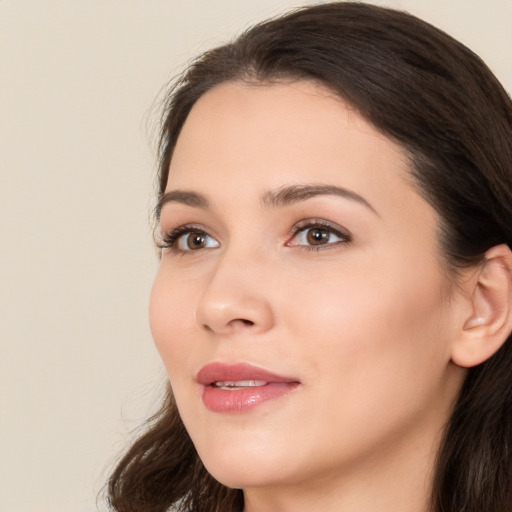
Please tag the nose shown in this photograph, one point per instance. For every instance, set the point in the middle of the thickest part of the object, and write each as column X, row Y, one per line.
column 236, row 298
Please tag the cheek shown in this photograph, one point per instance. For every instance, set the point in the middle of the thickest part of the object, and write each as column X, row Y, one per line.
column 385, row 324
column 376, row 353
column 171, row 318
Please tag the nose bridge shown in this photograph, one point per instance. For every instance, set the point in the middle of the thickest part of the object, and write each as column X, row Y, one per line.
column 236, row 295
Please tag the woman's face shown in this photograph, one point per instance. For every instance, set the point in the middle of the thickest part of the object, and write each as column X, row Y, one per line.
column 300, row 307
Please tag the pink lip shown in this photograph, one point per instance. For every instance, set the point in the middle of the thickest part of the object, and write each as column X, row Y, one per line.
column 241, row 399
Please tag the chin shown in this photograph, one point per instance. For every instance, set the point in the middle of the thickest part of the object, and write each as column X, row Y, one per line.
column 244, row 475
column 249, row 465
column 235, row 477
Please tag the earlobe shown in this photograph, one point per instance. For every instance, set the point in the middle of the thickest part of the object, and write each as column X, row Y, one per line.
column 489, row 322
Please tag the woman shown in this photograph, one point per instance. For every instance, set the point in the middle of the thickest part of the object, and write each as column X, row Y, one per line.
column 333, row 303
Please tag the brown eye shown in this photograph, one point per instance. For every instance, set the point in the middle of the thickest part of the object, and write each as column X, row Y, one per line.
column 194, row 240
column 318, row 236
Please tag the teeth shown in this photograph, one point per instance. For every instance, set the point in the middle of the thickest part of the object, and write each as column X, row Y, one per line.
column 231, row 384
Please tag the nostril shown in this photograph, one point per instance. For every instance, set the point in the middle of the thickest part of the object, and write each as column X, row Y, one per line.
column 246, row 322
column 242, row 321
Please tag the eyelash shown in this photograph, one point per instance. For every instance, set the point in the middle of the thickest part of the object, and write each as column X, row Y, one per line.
column 169, row 240
column 308, row 224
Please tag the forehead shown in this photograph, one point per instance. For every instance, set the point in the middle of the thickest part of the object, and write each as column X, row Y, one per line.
column 265, row 136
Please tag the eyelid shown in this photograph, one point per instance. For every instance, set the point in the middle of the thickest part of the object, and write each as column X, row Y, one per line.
column 305, row 224
column 169, row 240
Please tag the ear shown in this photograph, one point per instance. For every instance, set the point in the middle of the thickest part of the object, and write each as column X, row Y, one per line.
column 487, row 322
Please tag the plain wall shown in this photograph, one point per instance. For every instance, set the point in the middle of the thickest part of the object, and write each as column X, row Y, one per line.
column 78, row 370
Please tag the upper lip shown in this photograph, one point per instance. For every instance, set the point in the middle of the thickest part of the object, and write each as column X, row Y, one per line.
column 215, row 372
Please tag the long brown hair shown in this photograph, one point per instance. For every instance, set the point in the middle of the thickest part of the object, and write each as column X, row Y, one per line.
column 441, row 103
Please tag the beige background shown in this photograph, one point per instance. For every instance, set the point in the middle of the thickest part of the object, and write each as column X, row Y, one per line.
column 78, row 370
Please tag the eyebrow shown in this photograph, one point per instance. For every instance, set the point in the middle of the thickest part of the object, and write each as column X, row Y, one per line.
column 296, row 193
column 183, row 197
column 275, row 199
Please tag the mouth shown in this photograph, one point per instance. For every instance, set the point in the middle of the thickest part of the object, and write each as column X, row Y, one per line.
column 231, row 385
column 238, row 388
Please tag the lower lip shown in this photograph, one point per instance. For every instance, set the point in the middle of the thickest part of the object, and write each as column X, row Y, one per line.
column 244, row 399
